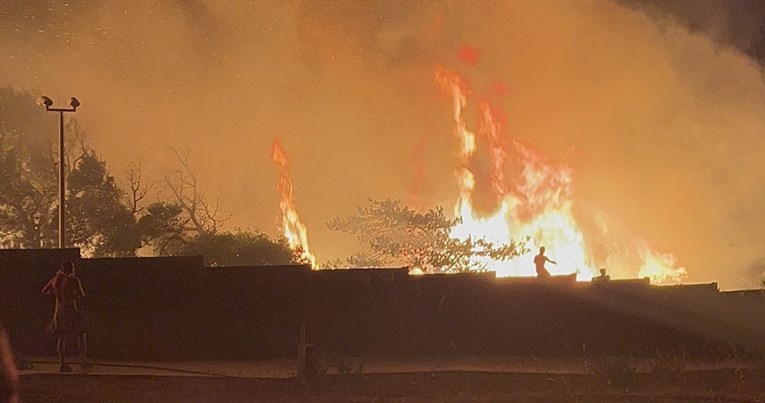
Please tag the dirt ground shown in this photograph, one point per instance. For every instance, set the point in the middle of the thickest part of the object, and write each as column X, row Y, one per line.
column 729, row 385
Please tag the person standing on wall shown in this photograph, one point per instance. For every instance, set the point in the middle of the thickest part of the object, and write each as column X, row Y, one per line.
column 539, row 263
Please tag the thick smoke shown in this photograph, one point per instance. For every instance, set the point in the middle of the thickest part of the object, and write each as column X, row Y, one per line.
column 666, row 122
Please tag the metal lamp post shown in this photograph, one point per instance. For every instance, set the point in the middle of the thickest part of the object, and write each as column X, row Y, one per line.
column 73, row 104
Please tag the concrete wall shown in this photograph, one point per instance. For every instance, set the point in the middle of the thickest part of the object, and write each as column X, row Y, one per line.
column 174, row 308
column 147, row 307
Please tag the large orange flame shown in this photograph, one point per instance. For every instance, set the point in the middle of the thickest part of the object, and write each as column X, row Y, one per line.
column 535, row 204
column 660, row 267
column 293, row 229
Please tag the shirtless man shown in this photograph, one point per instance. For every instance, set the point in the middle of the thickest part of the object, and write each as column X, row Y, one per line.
column 539, row 262
column 67, row 319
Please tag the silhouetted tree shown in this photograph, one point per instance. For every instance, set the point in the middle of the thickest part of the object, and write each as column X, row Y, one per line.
column 204, row 215
column 102, row 218
column 99, row 220
column 189, row 224
column 28, row 201
column 166, row 229
column 163, row 228
column 138, row 189
column 241, row 248
column 28, row 174
column 397, row 234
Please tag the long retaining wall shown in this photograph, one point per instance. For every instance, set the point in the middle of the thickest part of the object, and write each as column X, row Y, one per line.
column 174, row 308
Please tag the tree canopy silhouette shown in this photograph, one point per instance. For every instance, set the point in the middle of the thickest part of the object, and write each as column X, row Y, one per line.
column 397, row 234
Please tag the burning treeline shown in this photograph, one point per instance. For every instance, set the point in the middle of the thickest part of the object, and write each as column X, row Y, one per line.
column 532, row 198
column 670, row 118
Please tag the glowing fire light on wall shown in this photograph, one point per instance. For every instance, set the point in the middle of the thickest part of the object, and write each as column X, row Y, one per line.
column 292, row 228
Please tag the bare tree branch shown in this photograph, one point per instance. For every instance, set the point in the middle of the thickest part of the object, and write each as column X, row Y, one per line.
column 204, row 216
column 138, row 190
column 79, row 138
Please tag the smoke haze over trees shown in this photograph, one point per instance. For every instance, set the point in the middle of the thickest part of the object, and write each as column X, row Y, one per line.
column 663, row 104
column 102, row 218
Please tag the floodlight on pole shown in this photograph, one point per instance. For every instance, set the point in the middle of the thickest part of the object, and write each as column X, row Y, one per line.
column 48, row 104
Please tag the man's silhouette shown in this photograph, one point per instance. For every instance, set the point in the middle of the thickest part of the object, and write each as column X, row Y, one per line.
column 539, row 262
column 602, row 277
column 67, row 319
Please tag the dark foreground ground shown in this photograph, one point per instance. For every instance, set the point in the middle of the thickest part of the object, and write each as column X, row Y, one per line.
column 728, row 385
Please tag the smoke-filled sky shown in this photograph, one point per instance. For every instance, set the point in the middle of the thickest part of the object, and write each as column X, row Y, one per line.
column 662, row 103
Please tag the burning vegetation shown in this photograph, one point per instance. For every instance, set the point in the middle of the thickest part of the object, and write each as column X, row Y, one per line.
column 665, row 113
column 293, row 229
column 532, row 207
